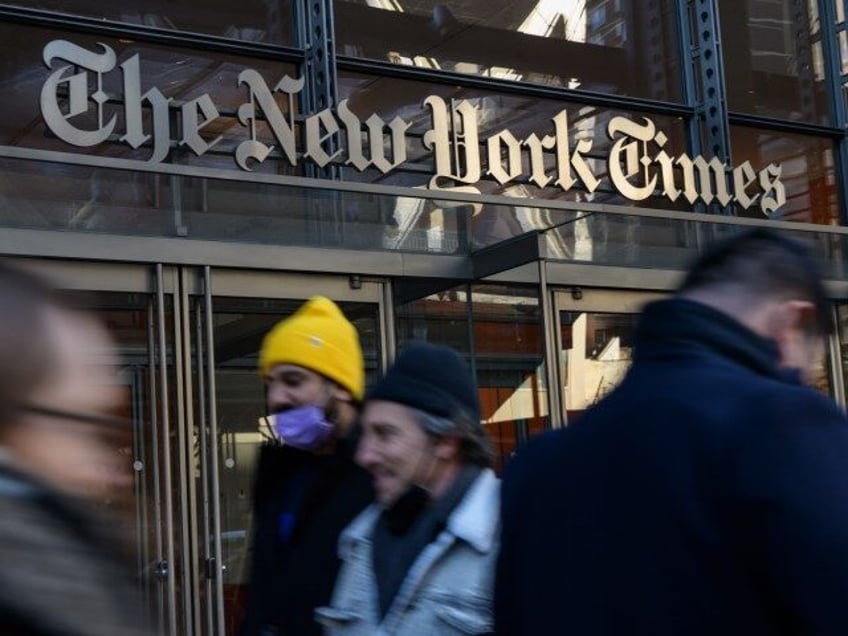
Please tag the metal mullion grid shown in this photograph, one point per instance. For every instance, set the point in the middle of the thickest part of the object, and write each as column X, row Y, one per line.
column 836, row 80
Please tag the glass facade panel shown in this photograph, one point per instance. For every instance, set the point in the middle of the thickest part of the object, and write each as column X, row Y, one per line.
column 510, row 365
column 628, row 48
column 441, row 317
column 597, row 349
column 239, row 326
column 249, row 20
column 808, row 172
column 133, row 485
column 41, row 195
column 500, row 335
column 773, row 59
column 177, row 75
column 488, row 151
column 843, row 50
column 626, row 241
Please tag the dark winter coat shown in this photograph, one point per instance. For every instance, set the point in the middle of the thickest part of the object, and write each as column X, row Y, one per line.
column 302, row 502
column 60, row 574
column 707, row 494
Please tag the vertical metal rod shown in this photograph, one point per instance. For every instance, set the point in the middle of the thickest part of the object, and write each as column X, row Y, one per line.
column 548, row 322
column 469, row 326
column 154, row 455
column 388, row 335
column 557, row 344
column 140, row 477
column 833, row 79
column 837, row 374
column 188, row 486
column 204, row 481
column 166, row 452
column 213, row 455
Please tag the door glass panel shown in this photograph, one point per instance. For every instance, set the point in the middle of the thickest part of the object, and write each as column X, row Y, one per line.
column 239, row 324
column 596, row 352
column 510, row 365
column 138, row 502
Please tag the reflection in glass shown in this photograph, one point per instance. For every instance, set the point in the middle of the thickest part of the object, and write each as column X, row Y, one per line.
column 597, row 349
column 139, row 508
column 773, row 59
column 440, row 317
column 41, row 195
column 510, row 366
column 247, row 20
column 239, row 325
column 599, row 45
column 508, row 360
column 180, row 74
column 808, row 173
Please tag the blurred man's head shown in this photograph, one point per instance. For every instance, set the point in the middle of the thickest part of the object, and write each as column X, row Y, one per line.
column 421, row 424
column 313, row 358
column 771, row 284
column 56, row 393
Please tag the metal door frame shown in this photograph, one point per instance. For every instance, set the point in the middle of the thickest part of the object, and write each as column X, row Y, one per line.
column 582, row 299
column 631, row 301
column 157, row 282
column 198, row 287
column 188, row 289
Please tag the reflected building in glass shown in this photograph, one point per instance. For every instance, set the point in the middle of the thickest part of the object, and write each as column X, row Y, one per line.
column 515, row 179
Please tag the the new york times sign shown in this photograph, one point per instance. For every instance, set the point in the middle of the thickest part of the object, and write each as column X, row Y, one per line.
column 637, row 165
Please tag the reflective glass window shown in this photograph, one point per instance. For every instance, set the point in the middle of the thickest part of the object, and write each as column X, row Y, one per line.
column 628, row 48
column 248, row 20
column 510, row 365
column 502, row 326
column 773, row 59
column 499, row 143
column 174, row 74
column 807, row 172
column 597, row 349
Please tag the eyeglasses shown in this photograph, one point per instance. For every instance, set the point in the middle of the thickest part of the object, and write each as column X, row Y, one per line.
column 97, row 419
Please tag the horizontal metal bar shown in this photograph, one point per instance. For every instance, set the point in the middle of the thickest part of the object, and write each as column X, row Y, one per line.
column 509, row 254
column 180, row 251
column 783, row 125
column 529, row 89
column 112, row 163
column 148, row 34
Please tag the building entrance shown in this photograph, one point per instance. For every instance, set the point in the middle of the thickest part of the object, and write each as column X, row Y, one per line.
column 188, row 340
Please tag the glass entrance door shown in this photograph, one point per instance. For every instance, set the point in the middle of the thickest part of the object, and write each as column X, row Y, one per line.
column 188, row 340
column 595, row 329
column 137, row 305
column 229, row 312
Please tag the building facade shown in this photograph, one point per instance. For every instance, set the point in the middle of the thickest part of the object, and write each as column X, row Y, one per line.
column 514, row 178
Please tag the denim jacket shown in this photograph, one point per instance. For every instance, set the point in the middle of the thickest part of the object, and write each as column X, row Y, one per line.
column 448, row 590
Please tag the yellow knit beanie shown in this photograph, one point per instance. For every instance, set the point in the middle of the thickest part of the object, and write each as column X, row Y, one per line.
column 317, row 337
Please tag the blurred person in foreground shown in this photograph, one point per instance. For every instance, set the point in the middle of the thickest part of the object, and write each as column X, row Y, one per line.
column 61, row 569
column 307, row 487
column 708, row 493
column 421, row 560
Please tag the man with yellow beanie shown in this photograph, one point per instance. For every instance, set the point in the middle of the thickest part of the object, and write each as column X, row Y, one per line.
column 307, row 487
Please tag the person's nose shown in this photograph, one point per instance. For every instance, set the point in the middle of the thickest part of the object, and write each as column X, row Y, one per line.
column 278, row 397
column 365, row 455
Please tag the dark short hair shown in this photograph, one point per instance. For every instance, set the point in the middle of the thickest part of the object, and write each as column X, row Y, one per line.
column 764, row 263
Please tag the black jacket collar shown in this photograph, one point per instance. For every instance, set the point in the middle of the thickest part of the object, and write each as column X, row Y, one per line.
column 677, row 324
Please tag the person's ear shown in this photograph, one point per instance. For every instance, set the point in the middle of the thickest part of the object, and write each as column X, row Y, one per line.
column 792, row 316
column 790, row 327
column 447, row 447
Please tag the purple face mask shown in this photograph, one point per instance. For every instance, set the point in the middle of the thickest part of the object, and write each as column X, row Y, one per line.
column 304, row 427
